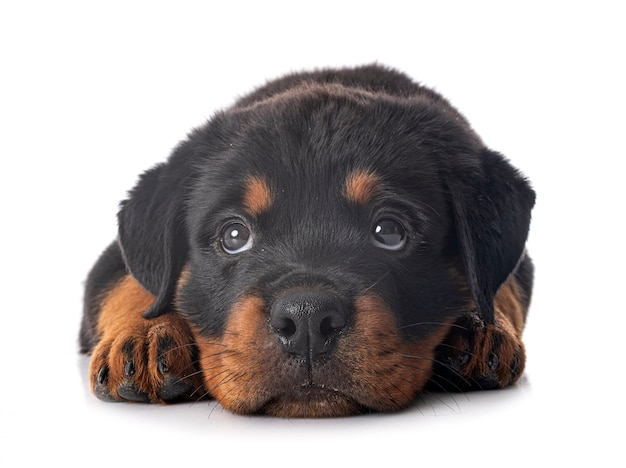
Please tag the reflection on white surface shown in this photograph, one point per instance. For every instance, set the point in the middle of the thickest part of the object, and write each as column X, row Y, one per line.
column 436, row 404
column 63, row 421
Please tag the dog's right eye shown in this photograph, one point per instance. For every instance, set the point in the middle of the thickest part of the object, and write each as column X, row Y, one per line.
column 389, row 234
column 236, row 237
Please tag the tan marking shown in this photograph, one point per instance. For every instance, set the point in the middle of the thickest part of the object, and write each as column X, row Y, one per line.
column 185, row 273
column 395, row 368
column 508, row 304
column 123, row 307
column 505, row 334
column 121, row 320
column 235, row 366
column 247, row 370
column 362, row 186
column 258, row 196
column 183, row 279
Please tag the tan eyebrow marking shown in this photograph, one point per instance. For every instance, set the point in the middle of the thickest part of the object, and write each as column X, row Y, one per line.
column 361, row 186
column 258, row 195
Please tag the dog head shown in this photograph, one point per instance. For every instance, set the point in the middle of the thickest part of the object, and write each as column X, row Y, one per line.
column 322, row 236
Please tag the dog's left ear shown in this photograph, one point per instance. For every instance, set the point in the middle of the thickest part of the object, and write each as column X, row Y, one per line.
column 492, row 202
column 152, row 233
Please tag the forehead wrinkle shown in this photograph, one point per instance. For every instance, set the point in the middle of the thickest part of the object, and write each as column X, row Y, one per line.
column 258, row 196
column 361, row 186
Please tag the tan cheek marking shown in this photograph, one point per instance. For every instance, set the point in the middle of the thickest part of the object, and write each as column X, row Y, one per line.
column 361, row 186
column 237, row 366
column 394, row 369
column 183, row 279
column 258, row 196
column 185, row 273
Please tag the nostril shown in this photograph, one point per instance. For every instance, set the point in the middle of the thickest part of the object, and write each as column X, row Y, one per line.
column 284, row 326
column 332, row 325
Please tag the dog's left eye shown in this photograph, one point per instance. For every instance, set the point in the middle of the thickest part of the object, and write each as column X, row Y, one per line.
column 389, row 234
column 236, row 237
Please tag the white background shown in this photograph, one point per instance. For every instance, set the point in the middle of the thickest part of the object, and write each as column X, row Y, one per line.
column 93, row 93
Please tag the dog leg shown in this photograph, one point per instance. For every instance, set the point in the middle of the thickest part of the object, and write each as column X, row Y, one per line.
column 479, row 356
column 138, row 359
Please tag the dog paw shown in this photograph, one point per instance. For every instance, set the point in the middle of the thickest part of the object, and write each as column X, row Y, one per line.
column 149, row 361
column 479, row 356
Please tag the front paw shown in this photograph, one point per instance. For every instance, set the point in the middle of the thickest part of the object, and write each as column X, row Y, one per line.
column 479, row 356
column 151, row 361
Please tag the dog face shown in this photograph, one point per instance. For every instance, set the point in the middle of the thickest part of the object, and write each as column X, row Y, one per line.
column 321, row 240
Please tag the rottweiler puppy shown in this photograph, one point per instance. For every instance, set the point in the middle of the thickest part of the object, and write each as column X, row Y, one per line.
column 336, row 242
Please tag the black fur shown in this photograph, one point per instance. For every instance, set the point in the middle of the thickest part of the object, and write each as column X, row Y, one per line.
column 465, row 209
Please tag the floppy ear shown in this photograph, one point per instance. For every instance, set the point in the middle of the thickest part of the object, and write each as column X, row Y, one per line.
column 152, row 232
column 492, row 202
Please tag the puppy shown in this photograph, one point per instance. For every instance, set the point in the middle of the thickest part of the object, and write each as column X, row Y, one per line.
column 336, row 242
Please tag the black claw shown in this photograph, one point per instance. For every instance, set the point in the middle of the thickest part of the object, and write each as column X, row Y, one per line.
column 162, row 365
column 164, row 345
column 464, row 358
column 515, row 368
column 101, row 389
column 129, row 368
column 494, row 360
column 103, row 374
column 515, row 365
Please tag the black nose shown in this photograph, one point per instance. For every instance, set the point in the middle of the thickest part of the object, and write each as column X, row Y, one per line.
column 308, row 322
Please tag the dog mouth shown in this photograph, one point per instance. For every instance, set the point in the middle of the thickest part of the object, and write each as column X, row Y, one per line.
column 312, row 400
column 312, row 391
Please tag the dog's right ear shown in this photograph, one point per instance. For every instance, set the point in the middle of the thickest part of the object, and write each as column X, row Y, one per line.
column 492, row 205
column 152, row 233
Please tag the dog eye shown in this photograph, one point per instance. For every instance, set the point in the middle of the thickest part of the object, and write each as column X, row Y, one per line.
column 236, row 237
column 389, row 234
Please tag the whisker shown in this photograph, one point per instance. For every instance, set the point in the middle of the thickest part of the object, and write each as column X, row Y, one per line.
column 229, row 376
column 437, row 361
column 229, row 352
column 198, row 361
column 203, row 396
column 214, row 408
column 187, row 376
column 441, row 400
column 421, row 396
column 196, row 344
column 449, row 382
column 186, row 345
column 417, row 324
column 456, row 348
column 377, row 281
